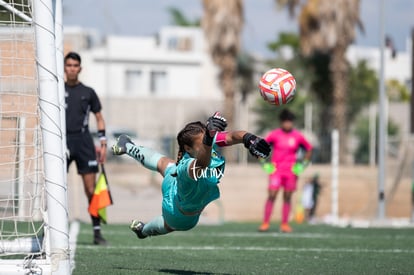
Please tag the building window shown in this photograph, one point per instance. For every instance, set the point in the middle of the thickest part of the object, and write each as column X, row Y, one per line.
column 133, row 81
column 182, row 43
column 158, row 82
column 172, row 43
column 185, row 44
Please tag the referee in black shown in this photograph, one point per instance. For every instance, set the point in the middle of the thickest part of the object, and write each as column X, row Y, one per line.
column 80, row 102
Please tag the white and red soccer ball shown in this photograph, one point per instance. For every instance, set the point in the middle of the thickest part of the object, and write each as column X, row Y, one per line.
column 277, row 86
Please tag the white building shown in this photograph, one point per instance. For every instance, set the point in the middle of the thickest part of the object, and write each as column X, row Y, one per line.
column 175, row 64
column 398, row 67
column 153, row 85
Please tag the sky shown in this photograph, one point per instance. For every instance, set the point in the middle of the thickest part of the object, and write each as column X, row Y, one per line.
column 263, row 21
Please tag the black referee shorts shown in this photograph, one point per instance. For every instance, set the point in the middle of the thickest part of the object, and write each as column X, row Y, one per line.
column 82, row 151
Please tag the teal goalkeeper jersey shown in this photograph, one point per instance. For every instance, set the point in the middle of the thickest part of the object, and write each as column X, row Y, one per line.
column 193, row 195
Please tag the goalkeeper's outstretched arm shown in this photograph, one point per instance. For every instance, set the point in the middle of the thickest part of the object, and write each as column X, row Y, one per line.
column 230, row 138
column 257, row 146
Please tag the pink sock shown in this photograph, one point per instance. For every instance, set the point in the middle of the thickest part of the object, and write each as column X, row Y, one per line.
column 268, row 211
column 285, row 212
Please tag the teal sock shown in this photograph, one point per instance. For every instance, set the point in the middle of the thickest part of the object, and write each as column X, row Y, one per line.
column 155, row 227
column 148, row 157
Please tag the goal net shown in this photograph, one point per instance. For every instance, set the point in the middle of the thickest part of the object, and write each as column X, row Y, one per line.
column 31, row 187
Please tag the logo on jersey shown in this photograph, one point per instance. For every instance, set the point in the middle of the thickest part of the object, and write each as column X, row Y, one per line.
column 291, row 142
column 208, row 172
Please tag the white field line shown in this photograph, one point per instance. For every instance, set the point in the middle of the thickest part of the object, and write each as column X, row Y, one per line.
column 264, row 235
column 73, row 235
column 254, row 248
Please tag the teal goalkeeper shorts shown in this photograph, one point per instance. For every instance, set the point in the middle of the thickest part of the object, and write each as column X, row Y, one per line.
column 170, row 211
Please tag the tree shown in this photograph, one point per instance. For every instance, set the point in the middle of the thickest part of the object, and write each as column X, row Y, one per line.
column 361, row 154
column 269, row 114
column 179, row 19
column 245, row 62
column 314, row 85
column 245, row 75
column 222, row 23
column 363, row 90
column 328, row 28
column 397, row 91
column 294, row 63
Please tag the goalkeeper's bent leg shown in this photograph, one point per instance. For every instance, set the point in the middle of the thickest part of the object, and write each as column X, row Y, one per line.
column 148, row 157
column 155, row 227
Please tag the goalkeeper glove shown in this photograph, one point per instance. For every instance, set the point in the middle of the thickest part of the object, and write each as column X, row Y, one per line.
column 299, row 167
column 258, row 147
column 215, row 123
column 268, row 167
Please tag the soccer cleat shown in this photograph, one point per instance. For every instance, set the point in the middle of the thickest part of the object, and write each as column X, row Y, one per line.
column 285, row 228
column 119, row 148
column 137, row 227
column 99, row 240
column 264, row 227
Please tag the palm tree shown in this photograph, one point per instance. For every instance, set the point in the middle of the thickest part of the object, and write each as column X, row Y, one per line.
column 179, row 19
column 222, row 23
column 328, row 27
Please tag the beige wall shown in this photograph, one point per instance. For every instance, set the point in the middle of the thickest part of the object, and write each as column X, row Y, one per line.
column 137, row 194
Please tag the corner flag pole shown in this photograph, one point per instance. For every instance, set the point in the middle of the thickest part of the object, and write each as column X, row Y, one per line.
column 335, row 175
column 382, row 122
column 412, row 120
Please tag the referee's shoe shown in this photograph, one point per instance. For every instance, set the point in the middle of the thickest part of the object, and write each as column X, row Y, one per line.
column 99, row 240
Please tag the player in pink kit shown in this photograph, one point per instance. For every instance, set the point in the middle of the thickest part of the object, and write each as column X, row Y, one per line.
column 285, row 142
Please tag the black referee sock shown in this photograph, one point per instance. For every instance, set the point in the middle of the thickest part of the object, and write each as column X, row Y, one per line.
column 96, row 224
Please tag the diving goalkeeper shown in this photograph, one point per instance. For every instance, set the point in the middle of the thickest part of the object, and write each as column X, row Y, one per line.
column 191, row 182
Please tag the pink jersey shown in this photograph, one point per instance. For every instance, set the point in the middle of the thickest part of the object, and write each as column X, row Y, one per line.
column 284, row 148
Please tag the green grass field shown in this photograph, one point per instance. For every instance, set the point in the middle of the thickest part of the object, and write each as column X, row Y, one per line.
column 237, row 248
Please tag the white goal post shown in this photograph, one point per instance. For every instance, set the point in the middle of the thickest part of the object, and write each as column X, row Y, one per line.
column 34, row 235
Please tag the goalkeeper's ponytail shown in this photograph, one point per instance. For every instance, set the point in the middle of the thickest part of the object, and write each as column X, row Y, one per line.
column 185, row 137
column 179, row 156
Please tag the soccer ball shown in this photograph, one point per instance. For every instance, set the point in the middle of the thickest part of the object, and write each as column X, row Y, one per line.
column 277, row 86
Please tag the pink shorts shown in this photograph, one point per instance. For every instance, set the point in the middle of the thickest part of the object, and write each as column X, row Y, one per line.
column 287, row 181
